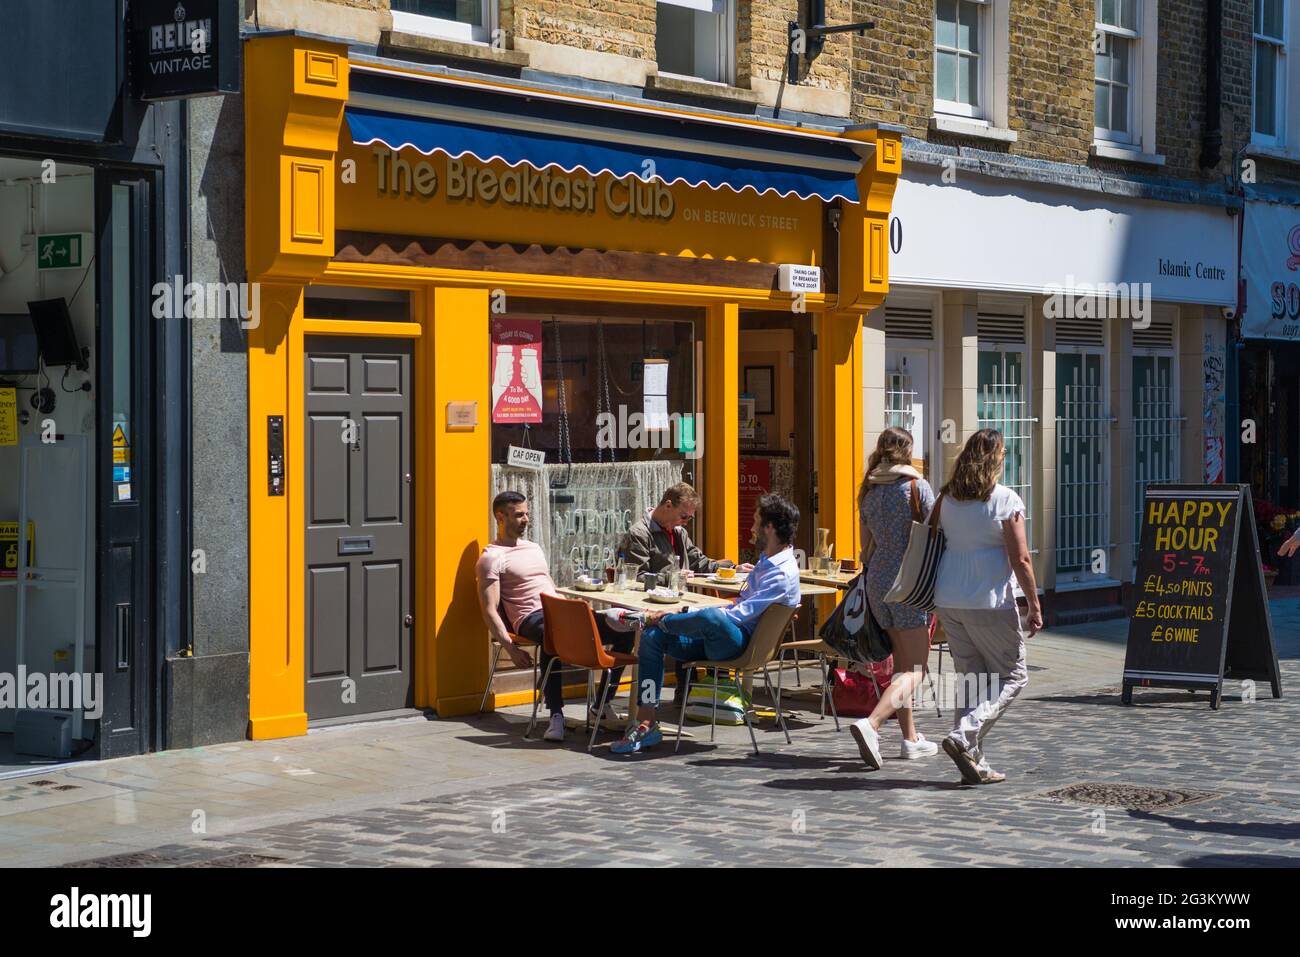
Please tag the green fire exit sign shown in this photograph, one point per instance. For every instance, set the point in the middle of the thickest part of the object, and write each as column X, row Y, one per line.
column 61, row 250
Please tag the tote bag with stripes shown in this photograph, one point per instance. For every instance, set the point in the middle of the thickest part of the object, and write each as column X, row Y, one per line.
column 914, row 584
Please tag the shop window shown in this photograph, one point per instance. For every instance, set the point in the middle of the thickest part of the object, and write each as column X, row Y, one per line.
column 696, row 39
column 1082, row 488
column 1270, row 72
column 960, row 34
column 1002, row 403
column 1156, row 430
column 469, row 20
column 612, row 405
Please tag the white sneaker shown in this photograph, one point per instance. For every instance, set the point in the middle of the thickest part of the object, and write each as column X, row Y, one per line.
column 920, row 748
column 555, row 730
column 868, row 739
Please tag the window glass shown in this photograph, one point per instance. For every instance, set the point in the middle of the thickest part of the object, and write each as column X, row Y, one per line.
column 1266, row 89
column 957, row 48
column 692, row 38
column 619, row 423
column 460, row 11
column 124, row 436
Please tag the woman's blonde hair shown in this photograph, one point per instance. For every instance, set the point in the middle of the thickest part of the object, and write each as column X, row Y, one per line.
column 894, row 447
column 978, row 468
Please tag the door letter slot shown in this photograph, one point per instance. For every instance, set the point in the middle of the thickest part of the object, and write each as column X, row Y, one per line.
column 361, row 545
column 275, row 455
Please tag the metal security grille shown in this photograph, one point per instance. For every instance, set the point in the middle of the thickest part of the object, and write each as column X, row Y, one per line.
column 900, row 400
column 1003, row 405
column 1156, row 429
column 1082, row 497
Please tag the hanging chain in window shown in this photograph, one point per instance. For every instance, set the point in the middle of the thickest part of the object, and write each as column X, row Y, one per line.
column 603, row 404
column 566, row 454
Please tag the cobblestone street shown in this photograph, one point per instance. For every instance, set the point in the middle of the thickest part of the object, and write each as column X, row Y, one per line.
column 808, row 803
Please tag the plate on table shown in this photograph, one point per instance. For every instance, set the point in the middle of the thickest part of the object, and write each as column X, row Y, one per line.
column 663, row 598
column 733, row 580
column 589, row 586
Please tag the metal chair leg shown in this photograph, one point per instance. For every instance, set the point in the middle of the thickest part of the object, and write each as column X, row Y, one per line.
column 713, row 729
column 492, row 670
column 821, row 660
column 595, row 725
column 936, row 694
column 779, row 670
column 780, row 715
column 681, row 717
column 537, row 698
column 829, row 694
column 748, row 723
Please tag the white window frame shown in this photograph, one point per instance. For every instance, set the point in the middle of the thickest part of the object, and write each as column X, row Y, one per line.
column 426, row 26
column 988, row 64
column 1281, row 106
column 726, row 46
column 1141, row 76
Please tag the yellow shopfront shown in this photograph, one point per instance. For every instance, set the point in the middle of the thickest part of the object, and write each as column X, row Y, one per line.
column 454, row 275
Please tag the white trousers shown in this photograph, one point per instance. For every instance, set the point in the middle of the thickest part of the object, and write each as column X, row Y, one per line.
column 988, row 653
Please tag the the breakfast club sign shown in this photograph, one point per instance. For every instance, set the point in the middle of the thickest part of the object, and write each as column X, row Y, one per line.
column 468, row 180
column 184, row 48
column 1270, row 262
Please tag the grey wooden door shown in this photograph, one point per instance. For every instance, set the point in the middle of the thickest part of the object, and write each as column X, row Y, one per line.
column 358, row 541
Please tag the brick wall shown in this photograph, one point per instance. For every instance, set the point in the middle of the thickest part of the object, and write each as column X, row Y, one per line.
column 624, row 27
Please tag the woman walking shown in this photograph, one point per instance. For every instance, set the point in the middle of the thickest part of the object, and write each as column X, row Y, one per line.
column 893, row 493
column 984, row 525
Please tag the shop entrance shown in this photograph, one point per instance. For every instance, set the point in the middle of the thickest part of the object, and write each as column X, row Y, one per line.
column 358, row 540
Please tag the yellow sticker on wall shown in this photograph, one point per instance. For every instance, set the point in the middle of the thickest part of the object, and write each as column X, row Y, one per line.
column 9, row 548
column 8, row 416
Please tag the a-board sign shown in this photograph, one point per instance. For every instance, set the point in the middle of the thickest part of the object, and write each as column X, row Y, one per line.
column 1200, row 613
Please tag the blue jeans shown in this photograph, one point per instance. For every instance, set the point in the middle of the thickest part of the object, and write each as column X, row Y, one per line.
column 704, row 635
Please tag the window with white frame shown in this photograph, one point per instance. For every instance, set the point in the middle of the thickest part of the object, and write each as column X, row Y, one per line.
column 961, row 29
column 1270, row 72
column 1118, row 73
column 469, row 20
column 696, row 39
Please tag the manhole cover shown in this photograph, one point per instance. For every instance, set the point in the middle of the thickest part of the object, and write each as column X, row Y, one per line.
column 43, row 783
column 1129, row 796
column 67, row 787
column 157, row 859
column 238, row 860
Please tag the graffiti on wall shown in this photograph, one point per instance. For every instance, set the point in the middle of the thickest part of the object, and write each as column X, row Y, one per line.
column 1214, row 365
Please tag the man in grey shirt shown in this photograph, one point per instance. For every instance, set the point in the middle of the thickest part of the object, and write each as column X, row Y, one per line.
column 652, row 541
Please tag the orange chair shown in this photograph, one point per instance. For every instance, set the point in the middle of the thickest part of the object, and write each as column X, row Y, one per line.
column 572, row 639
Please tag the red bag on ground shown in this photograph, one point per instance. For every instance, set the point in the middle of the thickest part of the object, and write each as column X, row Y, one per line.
column 854, row 694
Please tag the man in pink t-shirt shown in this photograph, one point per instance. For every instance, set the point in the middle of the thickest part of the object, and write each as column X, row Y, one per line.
column 512, row 577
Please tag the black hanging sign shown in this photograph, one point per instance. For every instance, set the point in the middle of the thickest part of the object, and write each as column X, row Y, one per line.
column 184, row 48
column 1200, row 613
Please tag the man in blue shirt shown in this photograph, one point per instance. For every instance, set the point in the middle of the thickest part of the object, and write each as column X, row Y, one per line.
column 718, row 634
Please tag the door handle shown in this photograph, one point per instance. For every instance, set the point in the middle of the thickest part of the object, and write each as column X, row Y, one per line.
column 123, row 631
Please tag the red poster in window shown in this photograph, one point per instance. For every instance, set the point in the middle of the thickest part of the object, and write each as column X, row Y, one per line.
column 516, row 370
column 755, row 482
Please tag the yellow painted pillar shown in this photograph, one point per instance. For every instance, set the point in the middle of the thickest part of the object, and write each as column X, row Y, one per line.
column 722, row 430
column 839, row 428
column 291, row 133
column 275, row 563
column 451, row 651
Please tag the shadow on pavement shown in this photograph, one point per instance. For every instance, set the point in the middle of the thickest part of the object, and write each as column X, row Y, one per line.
column 1267, row 830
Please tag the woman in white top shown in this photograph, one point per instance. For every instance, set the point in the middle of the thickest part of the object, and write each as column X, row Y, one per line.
column 983, row 523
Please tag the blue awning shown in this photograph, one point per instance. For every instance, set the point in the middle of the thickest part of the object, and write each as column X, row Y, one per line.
column 647, row 146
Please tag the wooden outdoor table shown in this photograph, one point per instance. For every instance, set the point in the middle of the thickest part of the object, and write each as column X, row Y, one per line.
column 838, row 580
column 633, row 598
column 806, row 590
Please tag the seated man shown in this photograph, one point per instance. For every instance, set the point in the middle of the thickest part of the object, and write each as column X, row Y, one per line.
column 718, row 634
column 652, row 541
column 512, row 577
